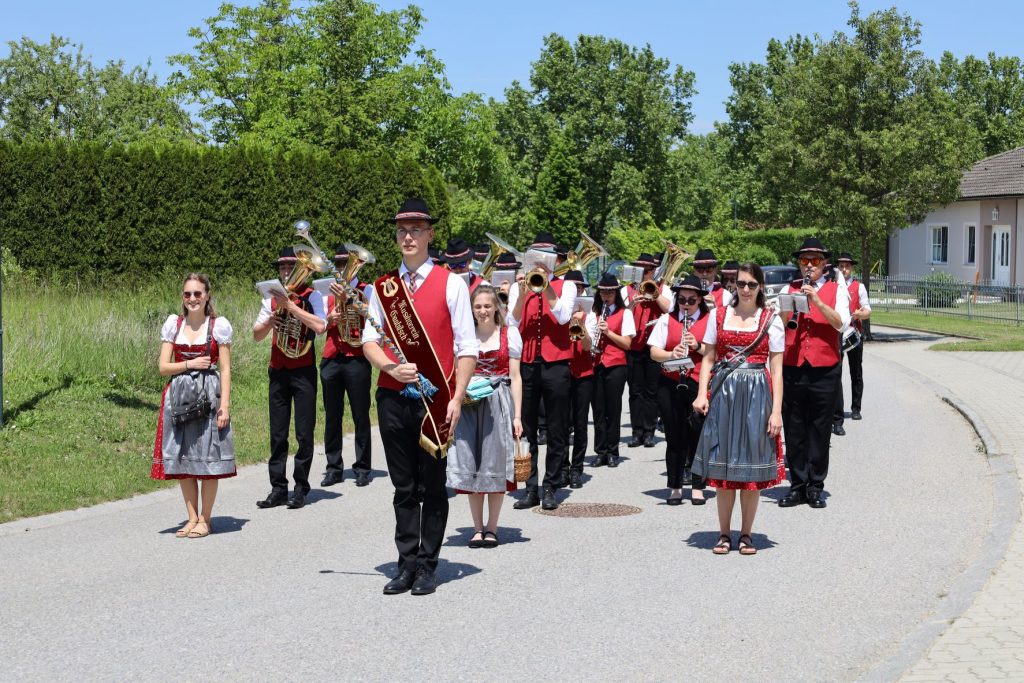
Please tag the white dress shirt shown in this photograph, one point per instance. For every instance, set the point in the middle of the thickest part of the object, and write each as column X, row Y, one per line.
column 456, row 296
column 316, row 300
column 628, row 325
column 562, row 310
column 659, row 335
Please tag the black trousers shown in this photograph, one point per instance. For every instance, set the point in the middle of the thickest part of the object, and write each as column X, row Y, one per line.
column 341, row 376
column 609, row 383
column 855, row 359
column 643, row 392
column 287, row 387
column 676, row 405
column 808, row 403
column 581, row 398
column 547, row 383
column 421, row 499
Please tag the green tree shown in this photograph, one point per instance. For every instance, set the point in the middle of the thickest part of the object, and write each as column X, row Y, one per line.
column 853, row 134
column 558, row 202
column 990, row 94
column 51, row 91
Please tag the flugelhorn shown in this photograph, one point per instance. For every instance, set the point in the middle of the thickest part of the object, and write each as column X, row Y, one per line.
column 350, row 326
column 292, row 337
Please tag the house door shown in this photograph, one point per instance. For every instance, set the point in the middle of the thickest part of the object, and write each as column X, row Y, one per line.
column 1001, row 254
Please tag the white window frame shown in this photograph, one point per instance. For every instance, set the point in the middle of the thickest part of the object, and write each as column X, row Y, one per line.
column 970, row 244
column 931, row 243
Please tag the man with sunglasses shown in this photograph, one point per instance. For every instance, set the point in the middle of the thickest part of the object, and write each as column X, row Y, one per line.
column 459, row 256
column 810, row 373
column 705, row 267
column 728, row 275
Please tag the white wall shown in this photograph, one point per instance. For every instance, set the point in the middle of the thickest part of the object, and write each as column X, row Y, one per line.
column 910, row 249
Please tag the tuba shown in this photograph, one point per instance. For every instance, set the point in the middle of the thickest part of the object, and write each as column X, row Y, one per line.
column 350, row 326
column 671, row 262
column 498, row 247
column 292, row 337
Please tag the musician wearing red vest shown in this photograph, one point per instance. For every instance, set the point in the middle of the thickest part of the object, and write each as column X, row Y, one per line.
column 429, row 307
column 641, row 372
column 810, row 373
column 728, row 277
column 292, row 381
column 543, row 321
column 581, row 386
column 458, row 257
column 678, row 334
column 705, row 267
column 611, row 325
column 345, row 371
column 860, row 310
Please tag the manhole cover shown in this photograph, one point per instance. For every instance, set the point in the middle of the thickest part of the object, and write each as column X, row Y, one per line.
column 590, row 510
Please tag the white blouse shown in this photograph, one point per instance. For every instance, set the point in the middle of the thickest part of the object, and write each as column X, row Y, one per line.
column 628, row 324
column 659, row 335
column 222, row 331
column 776, row 332
column 515, row 344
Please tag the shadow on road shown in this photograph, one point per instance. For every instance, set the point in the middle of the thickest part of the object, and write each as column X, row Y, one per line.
column 316, row 495
column 447, row 572
column 506, row 536
column 705, row 540
column 221, row 525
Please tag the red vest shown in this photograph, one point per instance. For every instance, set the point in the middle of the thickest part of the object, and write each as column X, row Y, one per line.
column 474, row 282
column 279, row 361
column 643, row 312
column 542, row 334
column 334, row 345
column 582, row 362
column 854, row 288
column 717, row 293
column 814, row 340
column 432, row 309
column 675, row 335
column 610, row 355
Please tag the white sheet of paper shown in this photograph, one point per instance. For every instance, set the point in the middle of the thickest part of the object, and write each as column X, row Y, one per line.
column 536, row 256
column 631, row 275
column 584, row 303
column 323, row 285
column 789, row 303
column 499, row 277
column 267, row 286
column 465, row 277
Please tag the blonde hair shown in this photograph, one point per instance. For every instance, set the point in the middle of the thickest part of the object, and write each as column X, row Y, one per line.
column 499, row 318
column 205, row 282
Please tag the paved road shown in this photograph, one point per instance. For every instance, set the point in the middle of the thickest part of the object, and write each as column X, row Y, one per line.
column 108, row 592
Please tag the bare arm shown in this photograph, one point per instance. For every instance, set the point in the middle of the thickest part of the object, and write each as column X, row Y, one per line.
column 224, row 366
column 406, row 373
column 465, row 365
column 169, row 368
column 700, row 404
column 775, row 367
column 517, row 396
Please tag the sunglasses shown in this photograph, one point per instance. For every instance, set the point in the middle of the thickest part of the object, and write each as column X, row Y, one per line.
column 811, row 261
column 688, row 300
column 192, row 295
column 746, row 284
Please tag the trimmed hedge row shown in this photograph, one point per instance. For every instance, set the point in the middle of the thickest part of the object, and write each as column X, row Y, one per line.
column 83, row 208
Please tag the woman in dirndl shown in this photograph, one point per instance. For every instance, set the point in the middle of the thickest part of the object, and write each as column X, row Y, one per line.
column 482, row 464
column 740, row 447
column 196, row 354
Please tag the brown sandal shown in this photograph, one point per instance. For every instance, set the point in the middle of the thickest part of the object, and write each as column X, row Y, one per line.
column 723, row 546
column 201, row 534
column 187, row 528
column 747, row 546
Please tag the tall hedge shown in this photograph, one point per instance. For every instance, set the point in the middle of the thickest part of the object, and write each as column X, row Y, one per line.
column 86, row 208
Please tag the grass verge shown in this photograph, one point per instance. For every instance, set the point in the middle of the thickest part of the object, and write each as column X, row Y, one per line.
column 986, row 336
column 82, row 391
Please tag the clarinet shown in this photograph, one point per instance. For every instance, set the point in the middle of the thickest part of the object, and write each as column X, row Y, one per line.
column 794, row 320
column 594, row 350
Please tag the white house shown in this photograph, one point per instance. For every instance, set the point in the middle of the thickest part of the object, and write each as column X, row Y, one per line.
column 977, row 237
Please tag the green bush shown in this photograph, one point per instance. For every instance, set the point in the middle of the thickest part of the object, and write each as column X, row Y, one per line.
column 939, row 290
column 764, row 247
column 74, row 210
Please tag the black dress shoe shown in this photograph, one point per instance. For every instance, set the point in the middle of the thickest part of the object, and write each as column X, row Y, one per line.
column 855, row 415
column 425, row 583
column 332, row 478
column 838, row 430
column 400, row 583
column 575, row 480
column 815, row 500
column 542, row 437
column 297, row 500
column 362, row 478
column 600, row 461
column 660, row 426
column 549, row 499
column 273, row 500
column 792, row 499
column 563, row 479
column 614, row 460
column 530, row 500
column 649, row 441
column 635, row 442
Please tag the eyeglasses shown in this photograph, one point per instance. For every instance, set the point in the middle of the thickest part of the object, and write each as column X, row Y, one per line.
column 746, row 284
column 192, row 295
column 414, row 233
column 703, row 269
column 811, row 261
column 688, row 300
column 728, row 280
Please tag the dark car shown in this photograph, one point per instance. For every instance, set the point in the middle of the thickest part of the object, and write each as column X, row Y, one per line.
column 776, row 278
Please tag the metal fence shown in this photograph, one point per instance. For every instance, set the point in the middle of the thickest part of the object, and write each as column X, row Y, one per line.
column 988, row 301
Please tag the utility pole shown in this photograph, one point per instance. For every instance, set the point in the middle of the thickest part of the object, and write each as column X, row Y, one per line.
column 1, row 338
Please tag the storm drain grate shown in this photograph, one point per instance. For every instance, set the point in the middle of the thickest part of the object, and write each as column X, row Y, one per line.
column 590, row 510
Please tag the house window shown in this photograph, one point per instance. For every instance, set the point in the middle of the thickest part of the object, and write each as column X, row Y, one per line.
column 969, row 231
column 940, row 243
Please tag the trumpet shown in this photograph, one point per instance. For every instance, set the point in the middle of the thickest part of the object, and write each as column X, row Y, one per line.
column 292, row 337
column 576, row 329
column 577, row 259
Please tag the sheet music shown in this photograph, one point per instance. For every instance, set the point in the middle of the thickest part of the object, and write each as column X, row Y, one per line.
column 266, row 287
column 323, row 285
column 788, row 303
column 500, row 277
column 584, row 303
column 535, row 256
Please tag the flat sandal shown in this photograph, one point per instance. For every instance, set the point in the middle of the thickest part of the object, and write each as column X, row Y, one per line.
column 723, row 546
column 201, row 534
column 186, row 528
column 747, row 546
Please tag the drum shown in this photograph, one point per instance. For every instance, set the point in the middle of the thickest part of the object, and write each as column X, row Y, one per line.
column 852, row 340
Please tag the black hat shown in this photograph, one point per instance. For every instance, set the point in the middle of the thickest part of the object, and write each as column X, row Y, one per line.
column 458, row 251
column 689, row 282
column 731, row 267
column 341, row 254
column 575, row 276
column 543, row 240
column 812, row 244
column 415, row 209
column 561, row 250
column 287, row 256
column 845, row 256
column 435, row 255
column 507, row 262
column 608, row 282
column 482, row 251
column 644, row 260
column 705, row 257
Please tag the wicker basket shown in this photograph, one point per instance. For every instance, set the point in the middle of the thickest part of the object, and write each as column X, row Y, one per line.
column 523, row 464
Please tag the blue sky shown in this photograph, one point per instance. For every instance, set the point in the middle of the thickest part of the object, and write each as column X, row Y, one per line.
column 485, row 45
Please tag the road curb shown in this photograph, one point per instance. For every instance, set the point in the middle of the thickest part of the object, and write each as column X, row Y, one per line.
column 1006, row 507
